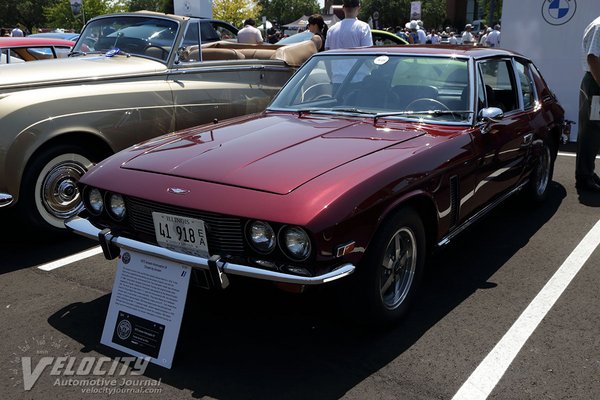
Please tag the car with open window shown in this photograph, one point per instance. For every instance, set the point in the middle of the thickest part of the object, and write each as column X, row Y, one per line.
column 129, row 77
column 365, row 162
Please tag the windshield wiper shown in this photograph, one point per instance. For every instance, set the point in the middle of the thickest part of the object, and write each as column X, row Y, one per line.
column 330, row 111
column 82, row 53
column 428, row 112
column 352, row 110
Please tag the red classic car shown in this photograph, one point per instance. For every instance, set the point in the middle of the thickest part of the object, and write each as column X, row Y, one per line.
column 20, row 49
column 365, row 161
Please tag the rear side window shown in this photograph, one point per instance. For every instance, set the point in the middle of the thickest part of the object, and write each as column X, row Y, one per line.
column 527, row 85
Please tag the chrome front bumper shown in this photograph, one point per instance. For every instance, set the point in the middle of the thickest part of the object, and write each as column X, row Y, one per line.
column 214, row 265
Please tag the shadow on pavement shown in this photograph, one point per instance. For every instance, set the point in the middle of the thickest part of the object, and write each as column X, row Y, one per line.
column 254, row 340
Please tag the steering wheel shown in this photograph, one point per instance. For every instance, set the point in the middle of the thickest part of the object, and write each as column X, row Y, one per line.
column 318, row 91
column 164, row 52
column 426, row 100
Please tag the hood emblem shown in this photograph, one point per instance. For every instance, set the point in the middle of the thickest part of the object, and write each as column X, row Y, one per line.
column 176, row 190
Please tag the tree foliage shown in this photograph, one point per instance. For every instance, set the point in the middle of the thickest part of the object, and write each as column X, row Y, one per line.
column 286, row 11
column 60, row 15
column 26, row 13
column 236, row 11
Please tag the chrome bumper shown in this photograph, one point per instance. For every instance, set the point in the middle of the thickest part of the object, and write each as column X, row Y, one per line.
column 215, row 265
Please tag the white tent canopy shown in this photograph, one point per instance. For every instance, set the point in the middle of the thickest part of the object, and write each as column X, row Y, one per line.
column 302, row 22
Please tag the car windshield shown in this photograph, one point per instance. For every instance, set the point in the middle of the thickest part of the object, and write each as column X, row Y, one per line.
column 144, row 36
column 398, row 86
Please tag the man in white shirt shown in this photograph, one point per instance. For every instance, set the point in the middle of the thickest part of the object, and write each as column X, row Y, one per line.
column 433, row 37
column 349, row 32
column 249, row 34
column 493, row 38
column 588, row 136
column 467, row 36
column 421, row 32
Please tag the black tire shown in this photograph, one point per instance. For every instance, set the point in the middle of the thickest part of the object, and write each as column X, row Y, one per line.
column 391, row 271
column 49, row 194
column 541, row 175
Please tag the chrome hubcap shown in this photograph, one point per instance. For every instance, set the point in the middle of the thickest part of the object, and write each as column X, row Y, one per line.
column 59, row 190
column 397, row 270
column 543, row 171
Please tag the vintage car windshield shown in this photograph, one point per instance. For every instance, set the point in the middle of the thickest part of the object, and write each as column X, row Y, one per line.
column 145, row 36
column 398, row 86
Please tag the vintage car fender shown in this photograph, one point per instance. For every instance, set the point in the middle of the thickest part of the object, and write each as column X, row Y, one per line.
column 36, row 118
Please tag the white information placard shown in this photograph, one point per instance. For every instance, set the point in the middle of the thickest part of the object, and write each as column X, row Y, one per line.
column 146, row 307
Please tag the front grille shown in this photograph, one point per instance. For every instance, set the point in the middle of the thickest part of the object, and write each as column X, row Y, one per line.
column 224, row 233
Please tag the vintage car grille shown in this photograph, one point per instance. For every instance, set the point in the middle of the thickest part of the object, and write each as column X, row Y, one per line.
column 224, row 233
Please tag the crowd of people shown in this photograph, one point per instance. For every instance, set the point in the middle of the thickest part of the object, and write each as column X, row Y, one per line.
column 413, row 31
column 15, row 32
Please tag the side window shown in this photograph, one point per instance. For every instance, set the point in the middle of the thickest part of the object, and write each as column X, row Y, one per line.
column 224, row 32
column 499, row 85
column 481, row 102
column 62, row 52
column 209, row 34
column 527, row 86
column 191, row 44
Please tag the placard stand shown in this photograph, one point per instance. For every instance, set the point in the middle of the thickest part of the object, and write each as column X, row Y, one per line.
column 146, row 307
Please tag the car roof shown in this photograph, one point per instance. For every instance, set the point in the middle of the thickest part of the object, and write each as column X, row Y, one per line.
column 56, row 35
column 144, row 13
column 433, row 49
column 33, row 41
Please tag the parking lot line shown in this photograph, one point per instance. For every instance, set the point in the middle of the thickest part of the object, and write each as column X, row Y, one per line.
column 70, row 259
column 485, row 377
column 562, row 153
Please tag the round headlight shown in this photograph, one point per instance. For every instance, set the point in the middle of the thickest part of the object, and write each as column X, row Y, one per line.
column 116, row 206
column 261, row 236
column 296, row 243
column 95, row 201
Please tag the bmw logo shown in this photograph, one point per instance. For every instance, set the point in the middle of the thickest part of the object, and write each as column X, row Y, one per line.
column 558, row 12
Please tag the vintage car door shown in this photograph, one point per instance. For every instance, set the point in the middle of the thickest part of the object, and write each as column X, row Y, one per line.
column 223, row 86
column 503, row 144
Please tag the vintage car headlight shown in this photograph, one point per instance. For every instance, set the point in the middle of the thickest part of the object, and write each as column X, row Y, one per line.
column 95, row 201
column 296, row 243
column 116, row 206
column 262, row 236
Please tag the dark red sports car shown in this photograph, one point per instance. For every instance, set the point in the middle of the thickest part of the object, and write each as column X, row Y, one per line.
column 366, row 160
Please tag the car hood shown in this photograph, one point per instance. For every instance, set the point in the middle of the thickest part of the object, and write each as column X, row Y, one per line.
column 76, row 68
column 272, row 153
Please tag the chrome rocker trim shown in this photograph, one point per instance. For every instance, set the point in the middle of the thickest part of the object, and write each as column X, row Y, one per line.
column 108, row 241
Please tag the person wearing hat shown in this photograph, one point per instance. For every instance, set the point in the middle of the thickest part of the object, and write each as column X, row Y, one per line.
column 467, row 36
column 349, row 32
column 413, row 36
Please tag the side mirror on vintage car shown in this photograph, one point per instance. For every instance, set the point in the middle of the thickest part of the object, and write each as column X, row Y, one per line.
column 487, row 115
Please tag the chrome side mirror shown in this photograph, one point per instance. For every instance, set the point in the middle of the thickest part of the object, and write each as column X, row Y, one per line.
column 488, row 115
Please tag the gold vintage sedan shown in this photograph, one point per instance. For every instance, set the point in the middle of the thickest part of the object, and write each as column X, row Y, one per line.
column 129, row 78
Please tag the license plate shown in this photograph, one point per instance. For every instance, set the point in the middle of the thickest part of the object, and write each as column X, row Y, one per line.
column 182, row 234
